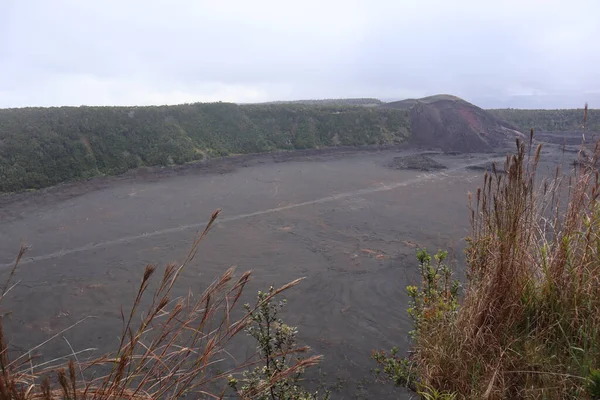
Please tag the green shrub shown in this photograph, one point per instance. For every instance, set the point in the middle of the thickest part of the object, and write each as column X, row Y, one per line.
column 279, row 371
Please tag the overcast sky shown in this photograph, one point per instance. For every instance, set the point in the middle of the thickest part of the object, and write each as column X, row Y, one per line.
column 520, row 53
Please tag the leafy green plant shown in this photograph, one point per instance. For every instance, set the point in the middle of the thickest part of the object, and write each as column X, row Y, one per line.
column 399, row 369
column 593, row 386
column 433, row 301
column 437, row 296
column 429, row 393
column 279, row 371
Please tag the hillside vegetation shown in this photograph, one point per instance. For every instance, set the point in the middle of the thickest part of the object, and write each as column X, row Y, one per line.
column 40, row 147
column 332, row 102
column 550, row 120
column 408, row 103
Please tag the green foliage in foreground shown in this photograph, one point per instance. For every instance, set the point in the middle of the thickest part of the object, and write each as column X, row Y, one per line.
column 569, row 120
column 41, row 147
column 279, row 373
column 434, row 301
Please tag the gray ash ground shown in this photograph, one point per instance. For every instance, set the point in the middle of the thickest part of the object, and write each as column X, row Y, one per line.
column 346, row 222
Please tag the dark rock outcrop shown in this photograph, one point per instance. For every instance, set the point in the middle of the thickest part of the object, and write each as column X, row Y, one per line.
column 419, row 162
column 449, row 123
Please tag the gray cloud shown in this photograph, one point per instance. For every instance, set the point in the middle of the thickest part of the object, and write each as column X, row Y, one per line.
column 531, row 53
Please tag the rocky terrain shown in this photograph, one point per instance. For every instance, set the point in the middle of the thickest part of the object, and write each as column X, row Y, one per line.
column 449, row 123
column 418, row 162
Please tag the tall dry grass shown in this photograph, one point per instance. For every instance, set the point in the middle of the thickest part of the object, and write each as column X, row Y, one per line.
column 528, row 326
column 167, row 350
